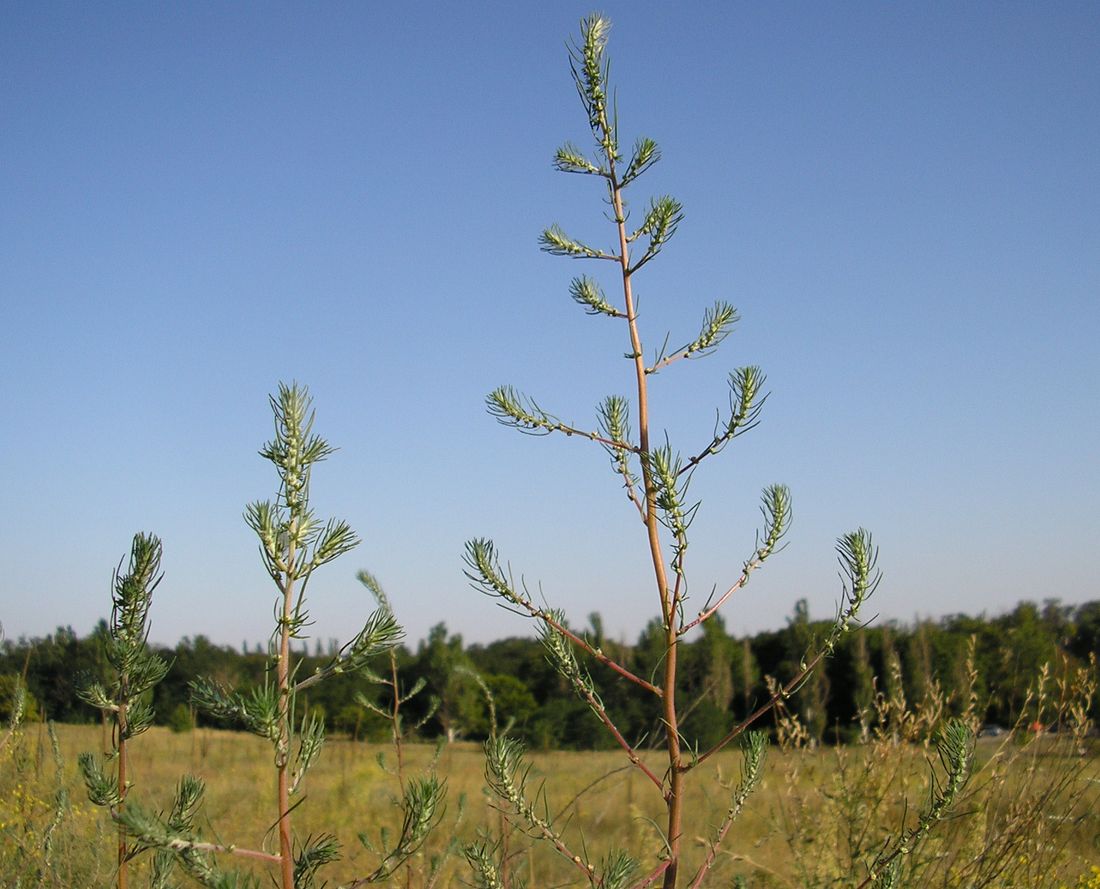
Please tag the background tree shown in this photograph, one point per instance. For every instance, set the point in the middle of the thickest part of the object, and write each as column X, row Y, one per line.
column 441, row 660
column 1084, row 639
column 861, row 676
column 811, row 703
column 748, row 676
column 919, row 671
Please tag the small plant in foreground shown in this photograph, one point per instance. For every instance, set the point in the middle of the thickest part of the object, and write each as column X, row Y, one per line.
column 422, row 798
column 125, row 701
column 656, row 478
column 293, row 544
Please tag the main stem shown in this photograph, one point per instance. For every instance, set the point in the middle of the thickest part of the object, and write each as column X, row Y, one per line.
column 123, row 870
column 282, row 755
column 674, row 792
column 397, row 740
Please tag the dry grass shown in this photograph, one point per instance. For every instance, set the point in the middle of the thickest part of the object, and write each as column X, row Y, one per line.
column 796, row 817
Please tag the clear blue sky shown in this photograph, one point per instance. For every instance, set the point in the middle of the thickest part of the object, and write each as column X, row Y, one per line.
column 200, row 200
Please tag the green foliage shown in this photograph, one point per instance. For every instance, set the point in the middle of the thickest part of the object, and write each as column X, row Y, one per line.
column 454, row 702
column 485, row 862
column 257, row 708
column 721, row 671
column 181, row 719
column 588, row 293
column 176, row 838
column 293, row 542
column 1010, row 825
column 422, row 807
column 103, row 789
column 17, row 703
column 314, row 854
column 125, row 698
column 513, row 698
column 134, row 668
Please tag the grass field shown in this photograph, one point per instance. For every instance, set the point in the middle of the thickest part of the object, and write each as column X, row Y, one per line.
column 800, row 829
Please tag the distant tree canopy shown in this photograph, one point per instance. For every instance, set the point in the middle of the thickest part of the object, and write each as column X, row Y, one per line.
column 723, row 677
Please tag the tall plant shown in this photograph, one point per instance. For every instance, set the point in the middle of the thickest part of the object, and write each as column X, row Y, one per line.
column 656, row 477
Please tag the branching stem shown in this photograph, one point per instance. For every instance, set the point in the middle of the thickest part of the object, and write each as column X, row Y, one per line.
column 650, row 878
column 253, row 854
column 632, row 754
column 584, row 644
column 711, row 610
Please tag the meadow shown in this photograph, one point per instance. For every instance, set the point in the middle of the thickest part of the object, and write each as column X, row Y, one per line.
column 1031, row 817
column 723, row 776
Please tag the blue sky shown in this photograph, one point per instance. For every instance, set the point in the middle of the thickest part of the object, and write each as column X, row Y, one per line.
column 198, row 201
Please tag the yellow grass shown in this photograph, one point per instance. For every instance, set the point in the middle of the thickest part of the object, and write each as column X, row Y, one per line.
column 349, row 792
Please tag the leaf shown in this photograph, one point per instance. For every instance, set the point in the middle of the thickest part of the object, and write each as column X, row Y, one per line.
column 587, row 292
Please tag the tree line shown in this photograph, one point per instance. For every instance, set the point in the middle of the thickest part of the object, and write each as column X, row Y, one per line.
column 723, row 677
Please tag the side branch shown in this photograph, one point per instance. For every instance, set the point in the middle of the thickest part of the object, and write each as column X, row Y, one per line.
column 512, row 408
column 254, row 854
column 955, row 747
column 707, row 613
column 614, row 414
column 746, row 402
column 775, row 506
column 564, row 658
column 717, row 323
column 557, row 243
column 381, row 633
column 597, row 707
column 751, row 768
column 650, row 878
column 632, row 495
column 506, row 775
column 487, row 576
column 583, row 643
column 858, row 556
column 781, row 695
column 661, row 220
